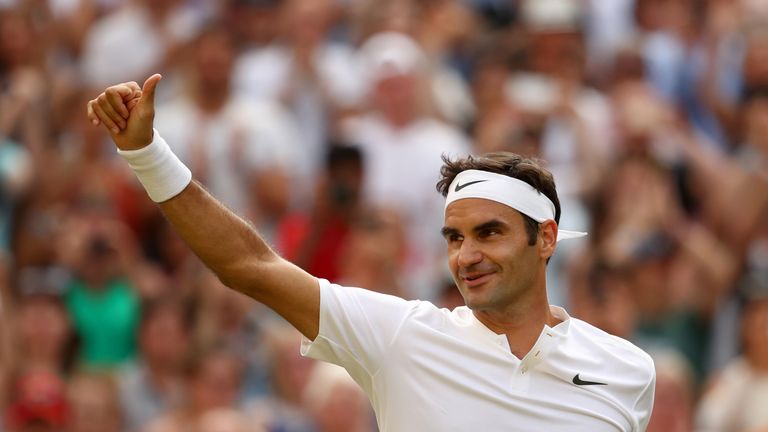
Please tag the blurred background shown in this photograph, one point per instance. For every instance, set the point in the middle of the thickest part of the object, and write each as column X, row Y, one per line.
column 323, row 122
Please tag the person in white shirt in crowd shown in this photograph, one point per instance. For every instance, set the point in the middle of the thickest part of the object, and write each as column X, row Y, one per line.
column 315, row 77
column 239, row 147
column 508, row 360
column 402, row 143
column 441, row 28
column 159, row 27
column 736, row 397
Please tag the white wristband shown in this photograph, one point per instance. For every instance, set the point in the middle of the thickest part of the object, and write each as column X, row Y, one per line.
column 161, row 173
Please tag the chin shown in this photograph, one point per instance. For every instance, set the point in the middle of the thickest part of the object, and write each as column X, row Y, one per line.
column 476, row 304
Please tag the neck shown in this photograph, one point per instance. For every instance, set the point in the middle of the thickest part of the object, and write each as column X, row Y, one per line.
column 521, row 322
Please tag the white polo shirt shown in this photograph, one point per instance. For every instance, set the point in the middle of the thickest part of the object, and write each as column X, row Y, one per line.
column 430, row 369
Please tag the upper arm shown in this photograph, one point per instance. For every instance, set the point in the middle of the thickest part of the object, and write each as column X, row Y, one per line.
column 288, row 290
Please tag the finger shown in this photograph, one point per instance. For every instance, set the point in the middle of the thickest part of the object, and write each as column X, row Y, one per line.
column 133, row 85
column 116, row 97
column 105, row 119
column 106, row 104
column 91, row 115
column 148, row 91
column 132, row 103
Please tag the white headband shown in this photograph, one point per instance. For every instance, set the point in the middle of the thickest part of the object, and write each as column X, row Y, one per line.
column 508, row 191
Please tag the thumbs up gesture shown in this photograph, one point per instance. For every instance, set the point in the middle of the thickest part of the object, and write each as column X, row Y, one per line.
column 127, row 111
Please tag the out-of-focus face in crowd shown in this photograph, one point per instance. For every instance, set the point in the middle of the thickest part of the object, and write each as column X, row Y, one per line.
column 213, row 58
column 215, row 381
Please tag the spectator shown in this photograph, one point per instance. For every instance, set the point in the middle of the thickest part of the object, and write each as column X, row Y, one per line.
column 161, row 27
column 212, row 383
column 738, row 393
column 101, row 301
column 152, row 386
column 283, row 409
column 314, row 76
column 95, row 404
column 240, row 148
column 651, row 113
column 39, row 403
column 336, row 402
column 314, row 239
column 401, row 135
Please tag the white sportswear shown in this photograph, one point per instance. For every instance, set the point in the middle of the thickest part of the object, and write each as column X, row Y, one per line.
column 430, row 369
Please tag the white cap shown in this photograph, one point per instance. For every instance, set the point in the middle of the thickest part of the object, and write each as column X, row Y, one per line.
column 531, row 92
column 551, row 15
column 390, row 54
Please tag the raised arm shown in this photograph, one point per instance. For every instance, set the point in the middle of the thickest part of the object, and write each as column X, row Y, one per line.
column 227, row 244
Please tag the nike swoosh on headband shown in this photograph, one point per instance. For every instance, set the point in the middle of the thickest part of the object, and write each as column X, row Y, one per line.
column 460, row 187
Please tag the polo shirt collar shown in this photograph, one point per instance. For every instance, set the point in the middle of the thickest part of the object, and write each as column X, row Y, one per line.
column 548, row 338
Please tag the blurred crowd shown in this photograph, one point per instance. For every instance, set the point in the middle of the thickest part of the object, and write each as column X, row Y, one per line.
column 323, row 122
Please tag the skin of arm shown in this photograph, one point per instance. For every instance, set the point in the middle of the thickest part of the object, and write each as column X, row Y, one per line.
column 227, row 244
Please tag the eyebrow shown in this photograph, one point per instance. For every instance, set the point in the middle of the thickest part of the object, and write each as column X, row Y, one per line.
column 491, row 224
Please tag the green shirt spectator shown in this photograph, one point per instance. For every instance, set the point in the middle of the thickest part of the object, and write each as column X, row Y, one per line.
column 106, row 321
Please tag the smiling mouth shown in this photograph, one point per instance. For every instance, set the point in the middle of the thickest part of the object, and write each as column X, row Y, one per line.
column 475, row 280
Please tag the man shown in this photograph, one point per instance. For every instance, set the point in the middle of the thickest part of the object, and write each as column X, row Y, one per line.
column 507, row 361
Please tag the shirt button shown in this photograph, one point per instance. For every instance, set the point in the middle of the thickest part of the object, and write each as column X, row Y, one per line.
column 525, row 369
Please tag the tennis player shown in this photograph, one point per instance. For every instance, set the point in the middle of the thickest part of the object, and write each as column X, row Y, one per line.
column 507, row 361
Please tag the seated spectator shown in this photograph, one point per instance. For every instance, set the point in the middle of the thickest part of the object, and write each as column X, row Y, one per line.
column 212, row 382
column 336, row 402
column 38, row 403
column 152, row 385
column 738, row 396
column 44, row 337
column 283, row 408
column 228, row 420
column 94, row 404
column 674, row 399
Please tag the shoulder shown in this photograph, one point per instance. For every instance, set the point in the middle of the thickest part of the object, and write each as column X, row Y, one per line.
column 374, row 306
column 610, row 347
column 628, row 371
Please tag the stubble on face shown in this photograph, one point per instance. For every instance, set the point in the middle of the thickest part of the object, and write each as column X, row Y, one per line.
column 492, row 263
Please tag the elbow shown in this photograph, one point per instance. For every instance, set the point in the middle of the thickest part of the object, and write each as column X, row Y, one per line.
column 247, row 276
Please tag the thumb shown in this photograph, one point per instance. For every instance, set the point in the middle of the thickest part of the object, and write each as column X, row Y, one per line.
column 148, row 90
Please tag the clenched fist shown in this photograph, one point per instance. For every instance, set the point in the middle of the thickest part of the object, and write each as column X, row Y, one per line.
column 127, row 111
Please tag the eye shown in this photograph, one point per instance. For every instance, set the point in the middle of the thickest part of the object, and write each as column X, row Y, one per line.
column 490, row 232
column 453, row 238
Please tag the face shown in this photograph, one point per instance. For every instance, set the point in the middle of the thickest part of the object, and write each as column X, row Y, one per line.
column 214, row 57
column 489, row 256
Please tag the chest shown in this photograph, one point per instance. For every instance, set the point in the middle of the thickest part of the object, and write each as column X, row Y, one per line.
column 457, row 383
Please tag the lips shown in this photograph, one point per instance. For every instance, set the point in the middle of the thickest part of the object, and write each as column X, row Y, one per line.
column 475, row 279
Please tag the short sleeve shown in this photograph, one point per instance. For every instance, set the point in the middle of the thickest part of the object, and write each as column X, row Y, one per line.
column 644, row 406
column 357, row 327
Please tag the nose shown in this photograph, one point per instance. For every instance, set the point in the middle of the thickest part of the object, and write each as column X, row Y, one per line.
column 468, row 254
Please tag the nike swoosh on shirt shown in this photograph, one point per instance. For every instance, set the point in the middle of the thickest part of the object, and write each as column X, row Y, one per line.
column 581, row 382
column 460, row 187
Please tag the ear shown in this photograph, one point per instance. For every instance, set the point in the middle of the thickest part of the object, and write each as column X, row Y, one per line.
column 547, row 238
